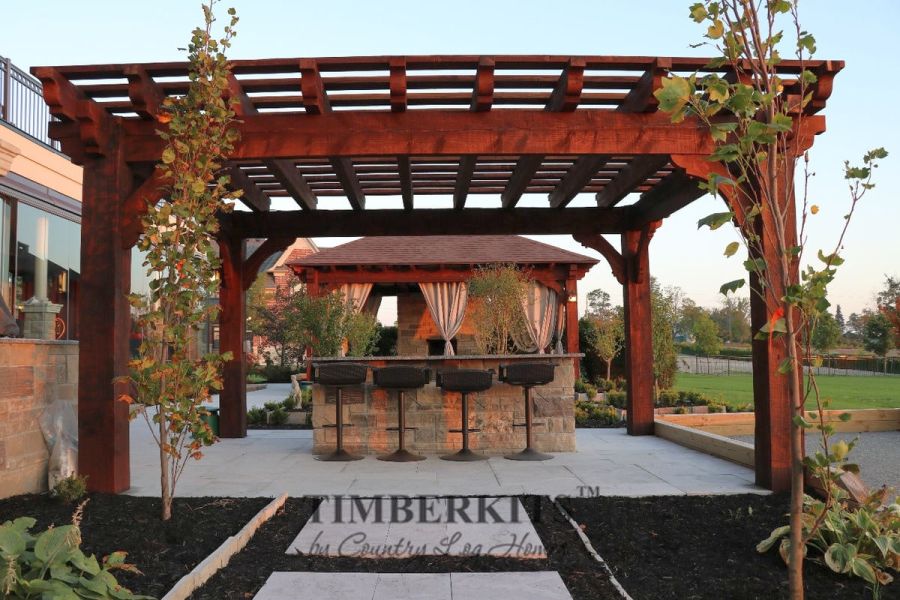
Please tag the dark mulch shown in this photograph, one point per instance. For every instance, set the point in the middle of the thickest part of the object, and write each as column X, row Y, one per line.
column 163, row 551
column 286, row 426
column 698, row 547
column 598, row 424
column 248, row 571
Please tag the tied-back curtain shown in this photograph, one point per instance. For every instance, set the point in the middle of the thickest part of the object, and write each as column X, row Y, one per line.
column 560, row 326
column 356, row 294
column 372, row 305
column 540, row 306
column 447, row 303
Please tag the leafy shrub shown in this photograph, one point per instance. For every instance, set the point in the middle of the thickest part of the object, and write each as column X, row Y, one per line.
column 289, row 403
column 256, row 378
column 604, row 385
column 273, row 373
column 51, row 564
column 590, row 390
column 862, row 542
column 305, row 397
column 739, row 408
column 278, row 416
column 256, row 416
column 715, row 407
column 70, row 489
column 617, row 399
column 590, row 414
column 667, row 398
column 579, row 385
column 271, row 406
column 681, row 398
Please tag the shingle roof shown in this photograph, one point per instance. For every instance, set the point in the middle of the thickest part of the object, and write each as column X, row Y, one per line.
column 443, row 249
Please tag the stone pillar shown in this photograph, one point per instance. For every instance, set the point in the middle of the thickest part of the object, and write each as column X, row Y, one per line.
column 40, row 313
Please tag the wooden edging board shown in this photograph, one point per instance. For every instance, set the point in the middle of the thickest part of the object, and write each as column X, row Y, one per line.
column 210, row 565
column 710, row 443
column 728, row 424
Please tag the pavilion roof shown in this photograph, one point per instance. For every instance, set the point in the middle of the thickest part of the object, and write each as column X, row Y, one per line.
column 442, row 250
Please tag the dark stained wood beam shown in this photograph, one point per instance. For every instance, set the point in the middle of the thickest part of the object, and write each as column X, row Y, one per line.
column 638, row 170
column 671, row 194
column 86, row 126
column 597, row 242
column 471, row 221
column 346, row 174
column 145, row 95
column 463, row 180
column 150, row 191
column 448, row 133
column 294, row 183
column 397, row 84
column 253, row 262
column 483, row 90
column 641, row 98
column 578, row 176
column 638, row 335
column 564, row 98
column 252, row 197
column 406, row 190
column 232, row 333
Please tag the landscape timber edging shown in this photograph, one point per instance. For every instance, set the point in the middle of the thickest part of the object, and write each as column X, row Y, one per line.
column 736, row 451
column 219, row 557
column 729, row 424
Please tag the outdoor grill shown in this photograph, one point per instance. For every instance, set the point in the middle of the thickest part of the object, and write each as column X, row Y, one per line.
column 465, row 380
column 401, row 377
column 527, row 373
column 340, row 373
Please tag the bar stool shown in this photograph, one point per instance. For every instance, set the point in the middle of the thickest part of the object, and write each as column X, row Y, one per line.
column 527, row 375
column 339, row 375
column 401, row 378
column 465, row 381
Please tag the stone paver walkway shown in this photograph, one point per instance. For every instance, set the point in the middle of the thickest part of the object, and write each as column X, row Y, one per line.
column 533, row 585
column 608, row 462
column 403, row 527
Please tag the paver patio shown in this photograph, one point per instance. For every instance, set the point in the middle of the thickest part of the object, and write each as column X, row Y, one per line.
column 608, row 462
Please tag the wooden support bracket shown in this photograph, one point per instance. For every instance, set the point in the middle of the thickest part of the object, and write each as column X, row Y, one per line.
column 253, row 262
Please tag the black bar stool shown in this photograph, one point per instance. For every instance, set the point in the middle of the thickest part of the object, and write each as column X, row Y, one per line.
column 401, row 378
column 339, row 375
column 527, row 375
column 465, row 381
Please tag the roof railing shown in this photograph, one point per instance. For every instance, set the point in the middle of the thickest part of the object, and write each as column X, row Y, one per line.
column 22, row 103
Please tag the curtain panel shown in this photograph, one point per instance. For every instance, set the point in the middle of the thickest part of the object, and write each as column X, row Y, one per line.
column 356, row 294
column 447, row 302
column 540, row 306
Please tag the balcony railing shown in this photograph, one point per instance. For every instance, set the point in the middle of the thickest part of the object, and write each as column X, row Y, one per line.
column 22, row 105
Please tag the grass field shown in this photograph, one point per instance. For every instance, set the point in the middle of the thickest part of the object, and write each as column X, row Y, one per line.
column 843, row 391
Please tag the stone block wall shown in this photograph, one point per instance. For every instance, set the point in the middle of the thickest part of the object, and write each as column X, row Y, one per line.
column 33, row 373
column 415, row 328
column 372, row 410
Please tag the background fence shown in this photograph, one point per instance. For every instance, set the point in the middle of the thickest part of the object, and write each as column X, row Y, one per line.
column 21, row 103
column 831, row 365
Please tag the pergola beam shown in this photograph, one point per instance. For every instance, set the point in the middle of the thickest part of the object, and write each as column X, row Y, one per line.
column 638, row 170
column 404, row 169
column 252, row 197
column 575, row 179
column 463, row 180
column 471, row 221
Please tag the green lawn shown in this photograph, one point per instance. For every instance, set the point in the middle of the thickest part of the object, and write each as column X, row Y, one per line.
column 843, row 391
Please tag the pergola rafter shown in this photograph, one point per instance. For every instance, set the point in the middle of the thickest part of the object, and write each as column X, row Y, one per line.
column 409, row 127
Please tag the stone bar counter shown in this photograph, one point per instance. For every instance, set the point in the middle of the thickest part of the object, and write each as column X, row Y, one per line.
column 371, row 410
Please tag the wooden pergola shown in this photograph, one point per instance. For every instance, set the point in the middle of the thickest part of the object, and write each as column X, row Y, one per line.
column 403, row 126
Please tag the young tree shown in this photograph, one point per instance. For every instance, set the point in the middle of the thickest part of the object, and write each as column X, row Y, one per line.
column 706, row 336
column 733, row 319
column 609, row 338
column 181, row 260
column 497, row 293
column 759, row 134
column 664, row 316
column 878, row 336
column 826, row 334
column 839, row 318
column 598, row 303
column 889, row 304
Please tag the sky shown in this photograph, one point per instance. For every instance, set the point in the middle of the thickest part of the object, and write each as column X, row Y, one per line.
column 861, row 113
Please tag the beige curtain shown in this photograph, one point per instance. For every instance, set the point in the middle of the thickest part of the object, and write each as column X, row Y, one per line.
column 540, row 306
column 447, row 303
column 356, row 294
column 561, row 326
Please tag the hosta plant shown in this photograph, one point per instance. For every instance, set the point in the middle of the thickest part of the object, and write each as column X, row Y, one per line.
column 51, row 565
column 862, row 541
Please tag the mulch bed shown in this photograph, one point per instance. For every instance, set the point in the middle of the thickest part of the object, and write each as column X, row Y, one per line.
column 164, row 552
column 598, row 424
column 286, row 426
column 699, row 547
column 248, row 571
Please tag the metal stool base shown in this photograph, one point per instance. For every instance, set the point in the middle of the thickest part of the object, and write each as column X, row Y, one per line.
column 340, row 455
column 401, row 455
column 464, row 455
column 528, row 454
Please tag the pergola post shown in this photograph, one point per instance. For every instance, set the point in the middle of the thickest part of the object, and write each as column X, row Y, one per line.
column 105, row 318
column 232, row 326
column 572, row 344
column 638, row 333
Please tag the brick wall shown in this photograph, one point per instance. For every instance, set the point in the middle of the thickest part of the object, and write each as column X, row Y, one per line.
column 371, row 411
column 33, row 373
column 415, row 327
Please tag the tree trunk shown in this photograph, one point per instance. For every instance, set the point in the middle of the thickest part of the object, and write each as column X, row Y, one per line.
column 795, row 554
column 165, row 488
column 609, row 369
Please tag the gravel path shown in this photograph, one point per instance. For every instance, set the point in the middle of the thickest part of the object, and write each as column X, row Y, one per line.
column 877, row 454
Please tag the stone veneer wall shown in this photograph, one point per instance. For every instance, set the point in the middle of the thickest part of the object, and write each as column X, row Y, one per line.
column 33, row 373
column 371, row 411
column 415, row 327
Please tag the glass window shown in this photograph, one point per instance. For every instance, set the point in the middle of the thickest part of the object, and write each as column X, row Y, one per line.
column 6, row 263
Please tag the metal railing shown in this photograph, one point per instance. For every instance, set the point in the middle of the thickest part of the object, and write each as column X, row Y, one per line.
column 22, row 104
column 830, row 365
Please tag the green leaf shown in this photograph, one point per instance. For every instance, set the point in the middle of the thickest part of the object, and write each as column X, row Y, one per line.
column 715, row 220
column 786, row 366
column 845, row 417
column 732, row 248
column 769, row 542
column 861, row 568
column 839, row 556
column 731, row 286
column 698, row 12
column 674, row 94
column 168, row 156
column 799, row 421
